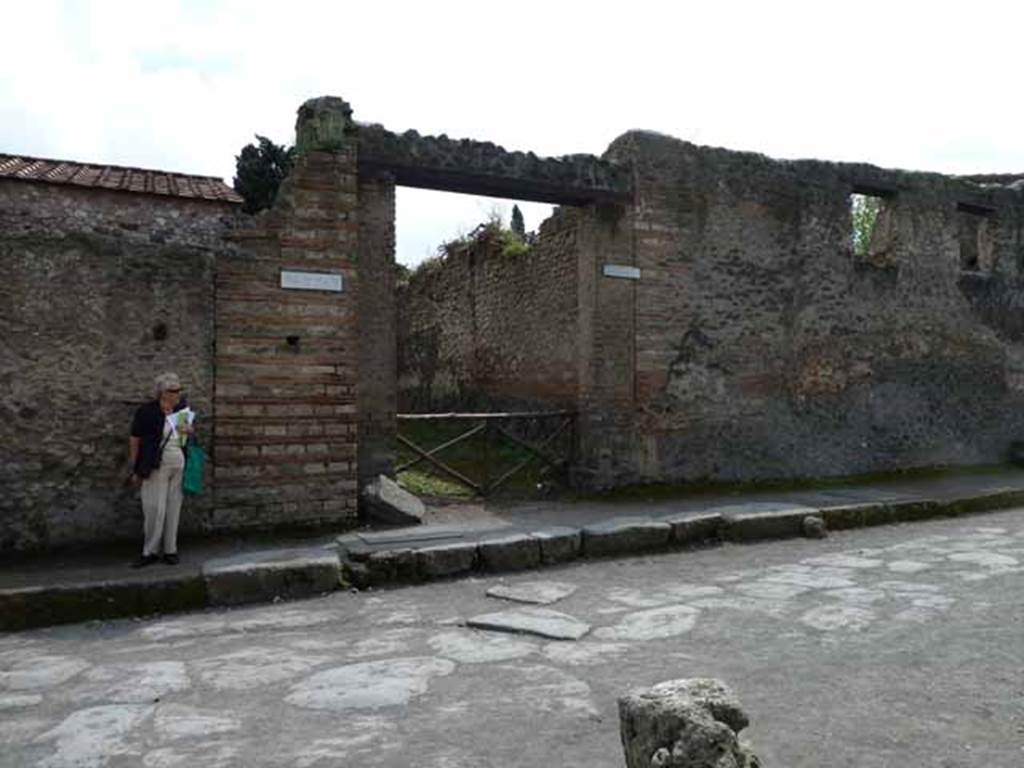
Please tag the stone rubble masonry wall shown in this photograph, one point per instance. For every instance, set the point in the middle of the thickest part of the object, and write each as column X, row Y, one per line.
column 484, row 329
column 764, row 348
column 61, row 210
column 102, row 291
column 377, row 350
column 483, row 168
column 286, row 413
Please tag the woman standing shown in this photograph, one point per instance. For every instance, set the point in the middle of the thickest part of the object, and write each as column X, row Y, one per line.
column 156, row 453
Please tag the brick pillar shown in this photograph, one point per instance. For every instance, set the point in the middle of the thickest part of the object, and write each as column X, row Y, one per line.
column 287, row 359
column 377, row 387
column 607, row 346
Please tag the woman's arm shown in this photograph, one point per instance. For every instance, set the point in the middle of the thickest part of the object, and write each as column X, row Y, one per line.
column 133, row 451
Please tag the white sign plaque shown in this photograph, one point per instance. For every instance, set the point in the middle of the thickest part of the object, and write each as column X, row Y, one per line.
column 621, row 270
column 311, row 281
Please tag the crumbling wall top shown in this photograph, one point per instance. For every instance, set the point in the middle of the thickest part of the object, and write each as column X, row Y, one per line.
column 481, row 167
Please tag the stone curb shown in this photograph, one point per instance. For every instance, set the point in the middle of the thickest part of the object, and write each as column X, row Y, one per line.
column 285, row 575
column 29, row 607
column 625, row 536
column 765, row 524
column 290, row 574
column 638, row 535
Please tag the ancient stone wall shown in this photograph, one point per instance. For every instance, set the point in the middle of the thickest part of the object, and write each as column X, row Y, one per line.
column 482, row 328
column 766, row 348
column 288, row 360
column 102, row 291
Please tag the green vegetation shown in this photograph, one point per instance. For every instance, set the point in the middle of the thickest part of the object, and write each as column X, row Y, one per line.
column 492, row 236
column 864, row 212
column 259, row 170
column 517, row 225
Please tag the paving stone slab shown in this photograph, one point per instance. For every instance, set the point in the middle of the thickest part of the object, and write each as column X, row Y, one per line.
column 537, row 592
column 625, row 535
column 512, row 552
column 689, row 529
column 262, row 576
column 559, row 544
column 543, row 622
column 768, row 520
column 443, row 560
column 412, row 537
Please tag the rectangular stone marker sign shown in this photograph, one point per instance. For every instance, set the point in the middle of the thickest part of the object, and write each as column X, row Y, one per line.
column 621, row 271
column 312, row 281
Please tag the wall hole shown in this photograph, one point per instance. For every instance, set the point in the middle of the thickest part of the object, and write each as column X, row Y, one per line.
column 160, row 332
column 868, row 233
column 975, row 239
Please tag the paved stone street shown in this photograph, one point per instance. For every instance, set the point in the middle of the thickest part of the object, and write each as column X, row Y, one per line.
column 894, row 646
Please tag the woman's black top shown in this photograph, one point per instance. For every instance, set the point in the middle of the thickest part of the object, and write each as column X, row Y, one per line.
column 148, row 426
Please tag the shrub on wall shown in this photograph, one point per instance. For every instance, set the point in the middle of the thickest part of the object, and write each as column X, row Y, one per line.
column 259, row 170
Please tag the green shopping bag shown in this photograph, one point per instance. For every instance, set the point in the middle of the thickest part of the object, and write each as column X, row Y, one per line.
column 192, row 477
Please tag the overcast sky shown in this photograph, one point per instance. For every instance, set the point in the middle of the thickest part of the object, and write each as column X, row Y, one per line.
column 182, row 85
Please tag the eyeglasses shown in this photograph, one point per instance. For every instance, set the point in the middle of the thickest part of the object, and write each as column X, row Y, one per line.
column 172, row 391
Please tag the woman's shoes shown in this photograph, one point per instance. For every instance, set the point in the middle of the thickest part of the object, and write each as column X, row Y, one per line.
column 142, row 562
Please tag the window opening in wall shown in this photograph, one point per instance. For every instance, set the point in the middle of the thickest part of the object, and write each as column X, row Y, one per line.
column 974, row 238
column 866, row 214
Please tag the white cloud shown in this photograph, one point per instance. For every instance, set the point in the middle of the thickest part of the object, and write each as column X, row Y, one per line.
column 183, row 85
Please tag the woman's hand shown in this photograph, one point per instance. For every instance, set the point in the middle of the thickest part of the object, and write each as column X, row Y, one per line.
column 187, row 429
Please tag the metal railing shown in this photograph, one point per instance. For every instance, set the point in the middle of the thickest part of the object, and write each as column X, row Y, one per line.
column 494, row 427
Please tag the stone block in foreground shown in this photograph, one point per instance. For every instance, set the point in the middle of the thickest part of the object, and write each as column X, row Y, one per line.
column 263, row 576
column 691, row 723
column 512, row 552
column 385, row 501
column 625, row 536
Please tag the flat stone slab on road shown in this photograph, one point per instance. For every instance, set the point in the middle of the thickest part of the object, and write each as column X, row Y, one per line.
column 260, row 576
column 536, row 592
column 543, row 622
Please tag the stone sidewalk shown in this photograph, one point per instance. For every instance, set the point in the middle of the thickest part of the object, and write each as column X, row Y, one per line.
column 61, row 589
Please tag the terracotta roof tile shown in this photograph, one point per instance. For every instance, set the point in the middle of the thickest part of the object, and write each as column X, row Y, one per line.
column 122, row 179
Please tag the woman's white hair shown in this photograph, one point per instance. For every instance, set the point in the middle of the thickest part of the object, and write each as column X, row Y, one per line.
column 166, row 381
